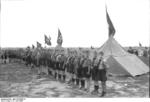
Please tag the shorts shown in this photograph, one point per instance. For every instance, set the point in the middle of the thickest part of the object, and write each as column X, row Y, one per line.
column 86, row 73
column 99, row 75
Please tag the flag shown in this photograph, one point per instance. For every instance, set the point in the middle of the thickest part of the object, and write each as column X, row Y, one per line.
column 39, row 45
column 59, row 38
column 33, row 46
column 92, row 47
column 110, row 25
column 140, row 44
column 47, row 40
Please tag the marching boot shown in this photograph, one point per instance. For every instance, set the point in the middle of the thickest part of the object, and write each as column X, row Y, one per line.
column 103, row 94
column 103, row 89
column 97, row 87
column 95, row 91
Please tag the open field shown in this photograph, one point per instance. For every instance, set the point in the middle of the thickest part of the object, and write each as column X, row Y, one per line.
column 17, row 80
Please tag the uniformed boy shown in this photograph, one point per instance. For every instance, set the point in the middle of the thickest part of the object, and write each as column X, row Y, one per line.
column 76, row 64
column 103, row 73
column 95, row 74
column 100, row 74
column 86, row 71
column 81, row 72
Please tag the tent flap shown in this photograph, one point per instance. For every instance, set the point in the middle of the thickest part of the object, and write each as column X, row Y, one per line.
column 133, row 65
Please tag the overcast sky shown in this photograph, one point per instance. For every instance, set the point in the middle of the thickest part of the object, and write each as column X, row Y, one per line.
column 81, row 22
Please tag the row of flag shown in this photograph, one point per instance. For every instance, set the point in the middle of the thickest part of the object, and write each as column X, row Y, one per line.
column 47, row 40
column 111, row 33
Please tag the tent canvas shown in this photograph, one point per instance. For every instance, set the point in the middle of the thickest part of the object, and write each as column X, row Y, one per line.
column 120, row 61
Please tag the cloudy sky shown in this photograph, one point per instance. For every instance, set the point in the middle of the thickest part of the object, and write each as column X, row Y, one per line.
column 81, row 22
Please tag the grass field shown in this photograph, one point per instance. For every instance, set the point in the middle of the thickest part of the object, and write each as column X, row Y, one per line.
column 17, row 80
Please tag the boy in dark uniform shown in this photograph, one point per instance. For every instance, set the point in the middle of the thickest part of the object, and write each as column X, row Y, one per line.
column 100, row 71
column 95, row 73
column 88, row 75
column 76, row 64
column 42, row 61
column 72, row 70
column 2, row 57
column 56, row 66
column 103, row 73
column 38, row 55
column 49, row 63
column 61, row 62
column 81, row 72
column 53, row 65
column 86, row 71
column 64, row 66
column 69, row 59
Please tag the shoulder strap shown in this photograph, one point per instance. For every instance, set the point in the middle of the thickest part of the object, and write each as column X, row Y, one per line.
column 82, row 61
column 99, row 62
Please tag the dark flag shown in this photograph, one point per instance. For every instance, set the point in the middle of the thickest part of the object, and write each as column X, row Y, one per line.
column 59, row 38
column 140, row 44
column 110, row 25
column 39, row 45
column 33, row 46
column 92, row 47
column 47, row 40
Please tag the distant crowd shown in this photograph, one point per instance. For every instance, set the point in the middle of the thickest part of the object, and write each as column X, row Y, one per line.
column 145, row 51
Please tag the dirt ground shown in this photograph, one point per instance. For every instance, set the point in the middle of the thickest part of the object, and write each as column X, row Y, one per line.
column 17, row 80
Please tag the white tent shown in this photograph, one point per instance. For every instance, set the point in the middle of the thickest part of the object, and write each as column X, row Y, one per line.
column 120, row 61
